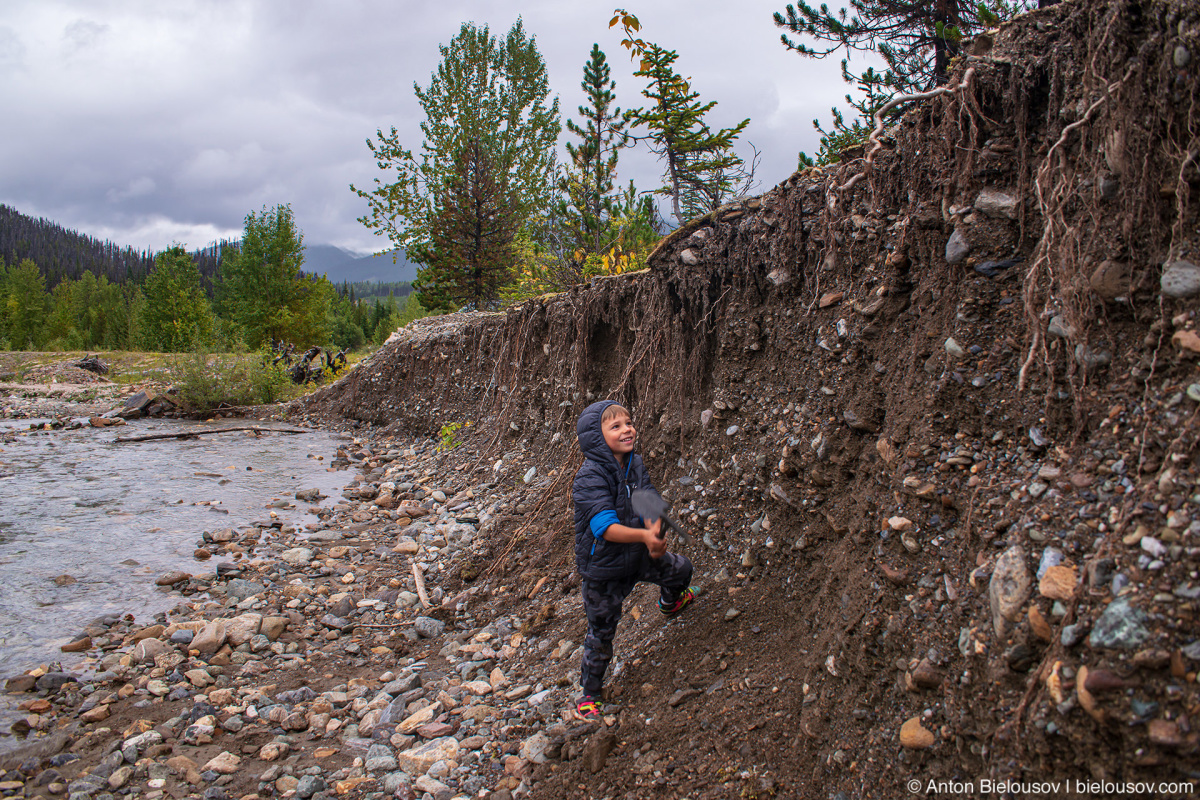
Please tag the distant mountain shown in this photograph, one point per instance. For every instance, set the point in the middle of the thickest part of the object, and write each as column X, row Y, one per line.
column 342, row 266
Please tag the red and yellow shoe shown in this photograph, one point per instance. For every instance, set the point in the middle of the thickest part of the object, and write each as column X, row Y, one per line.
column 588, row 709
column 685, row 599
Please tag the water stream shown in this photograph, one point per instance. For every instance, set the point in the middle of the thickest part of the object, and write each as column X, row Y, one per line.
column 106, row 519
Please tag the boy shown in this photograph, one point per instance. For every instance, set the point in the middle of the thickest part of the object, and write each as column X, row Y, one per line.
column 614, row 548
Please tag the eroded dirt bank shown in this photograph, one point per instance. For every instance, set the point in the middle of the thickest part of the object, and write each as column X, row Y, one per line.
column 937, row 430
column 935, row 433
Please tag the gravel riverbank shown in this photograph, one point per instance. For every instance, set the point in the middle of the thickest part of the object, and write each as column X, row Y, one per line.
column 342, row 657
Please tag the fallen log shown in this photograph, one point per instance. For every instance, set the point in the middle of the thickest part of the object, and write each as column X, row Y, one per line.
column 194, row 433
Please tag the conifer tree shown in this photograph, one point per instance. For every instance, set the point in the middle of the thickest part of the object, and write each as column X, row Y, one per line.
column 262, row 287
column 25, row 305
column 701, row 168
column 473, row 232
column 485, row 106
column 586, row 207
column 915, row 39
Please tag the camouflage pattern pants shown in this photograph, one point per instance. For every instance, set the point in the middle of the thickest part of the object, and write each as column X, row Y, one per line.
column 602, row 602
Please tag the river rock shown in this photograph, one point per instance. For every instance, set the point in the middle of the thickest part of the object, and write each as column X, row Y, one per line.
column 242, row 628
column 380, row 758
column 428, row 627
column 273, row 751
column 80, row 645
column 19, row 684
column 225, row 763
column 419, row 718
column 996, row 203
column 96, row 713
column 273, row 627
column 172, row 578
column 147, row 650
column 297, row 556
column 1009, row 588
column 1180, row 279
column 210, row 638
column 957, row 247
column 309, row 785
column 239, row 589
column 1058, row 582
column 418, row 760
column 534, row 748
column 1121, row 627
column 341, row 605
column 51, row 682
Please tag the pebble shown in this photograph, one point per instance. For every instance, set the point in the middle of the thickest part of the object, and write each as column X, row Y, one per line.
column 297, row 556
column 915, row 736
column 996, row 203
column 1058, row 583
column 1072, row 634
column 1009, row 588
column 428, row 627
column 380, row 759
column 1180, row 279
column 1121, row 626
column 957, row 247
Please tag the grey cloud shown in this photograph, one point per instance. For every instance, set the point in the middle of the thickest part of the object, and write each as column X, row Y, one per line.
column 82, row 33
column 183, row 117
column 12, row 50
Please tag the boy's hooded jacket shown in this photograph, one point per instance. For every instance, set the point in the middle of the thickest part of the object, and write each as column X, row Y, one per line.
column 603, row 484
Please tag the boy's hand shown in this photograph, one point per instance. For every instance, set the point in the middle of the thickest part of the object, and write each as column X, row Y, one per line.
column 656, row 543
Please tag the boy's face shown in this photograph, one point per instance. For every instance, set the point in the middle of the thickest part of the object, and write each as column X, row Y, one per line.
column 619, row 434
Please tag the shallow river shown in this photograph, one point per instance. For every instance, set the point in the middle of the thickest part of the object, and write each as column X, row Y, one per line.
column 106, row 519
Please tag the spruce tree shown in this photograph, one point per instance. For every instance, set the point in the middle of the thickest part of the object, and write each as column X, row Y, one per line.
column 915, row 39
column 176, row 317
column 473, row 232
column 701, row 168
column 485, row 106
column 586, row 208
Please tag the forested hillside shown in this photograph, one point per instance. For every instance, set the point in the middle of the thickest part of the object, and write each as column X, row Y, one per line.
column 62, row 290
column 61, row 253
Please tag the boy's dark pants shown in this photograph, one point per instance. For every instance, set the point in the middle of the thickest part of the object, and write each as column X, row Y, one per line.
column 602, row 603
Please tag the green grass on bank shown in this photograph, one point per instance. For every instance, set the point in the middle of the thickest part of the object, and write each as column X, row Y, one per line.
column 204, row 380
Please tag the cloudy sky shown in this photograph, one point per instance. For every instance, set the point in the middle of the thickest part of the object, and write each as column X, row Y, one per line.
column 150, row 122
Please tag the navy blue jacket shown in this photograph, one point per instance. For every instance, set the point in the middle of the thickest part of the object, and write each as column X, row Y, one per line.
column 603, row 484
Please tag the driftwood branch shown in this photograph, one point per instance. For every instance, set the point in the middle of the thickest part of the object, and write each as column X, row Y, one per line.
column 420, row 581
column 194, row 433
